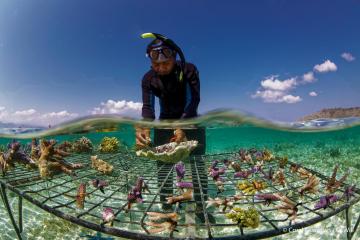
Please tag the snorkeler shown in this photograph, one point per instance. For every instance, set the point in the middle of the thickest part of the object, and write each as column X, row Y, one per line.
column 175, row 83
column 177, row 86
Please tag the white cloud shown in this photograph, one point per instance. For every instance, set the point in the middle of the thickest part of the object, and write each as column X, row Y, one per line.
column 309, row 77
column 125, row 108
column 313, row 94
column 272, row 83
column 271, row 96
column 291, row 99
column 348, row 56
column 59, row 115
column 25, row 113
column 268, row 95
column 276, row 91
column 3, row 113
column 33, row 117
column 326, row 66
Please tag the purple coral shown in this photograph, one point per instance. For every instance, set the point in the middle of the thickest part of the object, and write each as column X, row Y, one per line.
column 108, row 216
column 242, row 174
column 135, row 195
column 247, row 173
column 215, row 173
column 349, row 192
column 180, row 171
column 214, row 164
column 325, row 201
column 100, row 184
column 256, row 168
column 184, row 185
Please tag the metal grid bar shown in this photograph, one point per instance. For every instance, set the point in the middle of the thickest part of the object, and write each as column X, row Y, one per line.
column 50, row 195
column 194, row 163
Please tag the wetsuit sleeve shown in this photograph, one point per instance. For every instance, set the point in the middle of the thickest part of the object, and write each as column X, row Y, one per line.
column 148, row 108
column 193, row 93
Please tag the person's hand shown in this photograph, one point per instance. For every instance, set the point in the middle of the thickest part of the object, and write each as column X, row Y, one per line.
column 142, row 137
column 179, row 136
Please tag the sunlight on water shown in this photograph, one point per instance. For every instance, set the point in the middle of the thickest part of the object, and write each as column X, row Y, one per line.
column 316, row 148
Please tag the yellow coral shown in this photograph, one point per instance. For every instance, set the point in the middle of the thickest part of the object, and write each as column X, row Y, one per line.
column 101, row 165
column 246, row 218
column 251, row 187
column 267, row 155
column 109, row 144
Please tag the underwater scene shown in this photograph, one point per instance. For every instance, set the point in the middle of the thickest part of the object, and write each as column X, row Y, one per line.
column 253, row 178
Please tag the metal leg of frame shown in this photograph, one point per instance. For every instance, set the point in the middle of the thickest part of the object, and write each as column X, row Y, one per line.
column 350, row 232
column 8, row 209
column 355, row 227
column 2, row 198
column 348, row 228
column 20, row 215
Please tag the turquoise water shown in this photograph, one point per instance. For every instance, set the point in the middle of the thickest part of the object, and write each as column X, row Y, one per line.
column 318, row 150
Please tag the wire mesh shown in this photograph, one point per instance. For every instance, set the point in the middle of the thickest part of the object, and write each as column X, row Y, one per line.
column 56, row 195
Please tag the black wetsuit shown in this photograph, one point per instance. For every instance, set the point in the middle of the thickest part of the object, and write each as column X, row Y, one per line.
column 178, row 99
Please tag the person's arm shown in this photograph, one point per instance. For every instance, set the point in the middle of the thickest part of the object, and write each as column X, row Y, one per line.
column 192, row 93
column 142, row 134
column 148, row 108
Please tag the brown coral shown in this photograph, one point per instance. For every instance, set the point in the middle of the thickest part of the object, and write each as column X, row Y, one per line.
column 51, row 161
column 279, row 177
column 334, row 184
column 311, row 185
column 186, row 196
column 287, row 206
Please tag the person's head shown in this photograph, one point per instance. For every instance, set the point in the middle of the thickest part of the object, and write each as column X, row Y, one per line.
column 162, row 56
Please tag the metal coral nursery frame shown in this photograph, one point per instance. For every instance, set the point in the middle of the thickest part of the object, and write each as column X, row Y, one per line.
column 52, row 196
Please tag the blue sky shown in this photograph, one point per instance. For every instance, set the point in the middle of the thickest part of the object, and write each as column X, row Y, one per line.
column 62, row 59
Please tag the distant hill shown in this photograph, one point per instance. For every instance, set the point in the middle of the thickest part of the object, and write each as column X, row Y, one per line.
column 333, row 113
